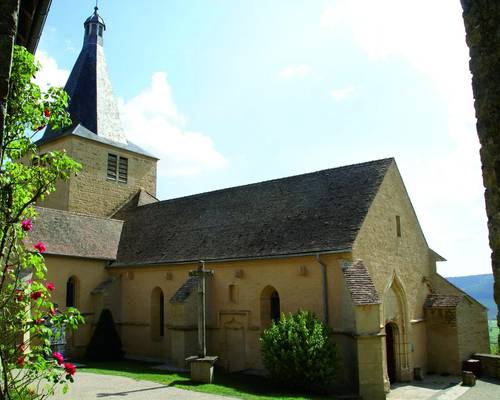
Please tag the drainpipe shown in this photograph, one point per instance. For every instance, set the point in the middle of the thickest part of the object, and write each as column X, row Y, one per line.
column 325, row 288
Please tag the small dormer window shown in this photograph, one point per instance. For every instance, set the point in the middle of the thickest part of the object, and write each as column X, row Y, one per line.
column 117, row 168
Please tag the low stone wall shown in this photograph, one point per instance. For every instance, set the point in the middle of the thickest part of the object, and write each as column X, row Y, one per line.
column 490, row 365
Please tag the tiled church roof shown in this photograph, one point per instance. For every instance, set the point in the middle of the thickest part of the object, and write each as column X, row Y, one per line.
column 185, row 290
column 360, row 284
column 442, row 300
column 316, row 212
column 71, row 234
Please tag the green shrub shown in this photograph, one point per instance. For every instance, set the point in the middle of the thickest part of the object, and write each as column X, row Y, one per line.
column 105, row 344
column 297, row 351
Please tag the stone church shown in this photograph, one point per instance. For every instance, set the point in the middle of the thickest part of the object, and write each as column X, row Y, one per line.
column 344, row 243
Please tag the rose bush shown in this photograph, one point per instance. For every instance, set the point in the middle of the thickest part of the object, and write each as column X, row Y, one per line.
column 28, row 319
column 298, row 352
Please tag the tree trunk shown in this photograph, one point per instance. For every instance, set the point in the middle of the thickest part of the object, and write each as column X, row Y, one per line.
column 482, row 26
column 9, row 10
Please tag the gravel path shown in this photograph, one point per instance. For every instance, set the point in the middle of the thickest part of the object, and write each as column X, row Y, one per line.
column 485, row 389
column 93, row 386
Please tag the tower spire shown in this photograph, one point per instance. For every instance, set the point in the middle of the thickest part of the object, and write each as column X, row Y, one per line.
column 92, row 106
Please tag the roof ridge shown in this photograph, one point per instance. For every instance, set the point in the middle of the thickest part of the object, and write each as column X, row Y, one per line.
column 362, row 164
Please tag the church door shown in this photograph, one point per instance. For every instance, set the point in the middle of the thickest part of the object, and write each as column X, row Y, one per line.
column 235, row 348
column 391, row 356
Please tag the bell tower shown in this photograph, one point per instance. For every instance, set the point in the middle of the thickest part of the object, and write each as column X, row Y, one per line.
column 114, row 170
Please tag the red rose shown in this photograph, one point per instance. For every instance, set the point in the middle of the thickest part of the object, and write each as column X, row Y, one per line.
column 20, row 361
column 40, row 247
column 46, row 112
column 60, row 359
column 70, row 369
column 19, row 295
column 26, row 224
column 50, row 286
column 36, row 295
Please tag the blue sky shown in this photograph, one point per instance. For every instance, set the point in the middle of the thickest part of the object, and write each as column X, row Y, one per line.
column 229, row 92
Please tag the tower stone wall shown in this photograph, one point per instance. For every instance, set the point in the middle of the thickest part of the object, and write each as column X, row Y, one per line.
column 91, row 192
column 482, row 26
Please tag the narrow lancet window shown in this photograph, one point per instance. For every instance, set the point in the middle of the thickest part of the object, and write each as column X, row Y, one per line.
column 398, row 225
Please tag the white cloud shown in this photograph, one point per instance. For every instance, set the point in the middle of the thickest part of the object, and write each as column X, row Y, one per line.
column 295, row 71
column 50, row 74
column 447, row 189
column 343, row 93
column 152, row 121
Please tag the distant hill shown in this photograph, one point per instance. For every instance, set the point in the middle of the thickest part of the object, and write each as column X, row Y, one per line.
column 480, row 287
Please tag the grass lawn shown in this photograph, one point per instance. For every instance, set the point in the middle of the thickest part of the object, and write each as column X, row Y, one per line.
column 235, row 385
column 493, row 328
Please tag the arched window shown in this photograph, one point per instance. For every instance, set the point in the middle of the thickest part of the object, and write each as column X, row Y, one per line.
column 157, row 314
column 275, row 306
column 71, row 292
column 162, row 315
column 269, row 306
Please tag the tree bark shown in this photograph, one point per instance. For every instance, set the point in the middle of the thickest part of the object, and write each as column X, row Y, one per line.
column 482, row 26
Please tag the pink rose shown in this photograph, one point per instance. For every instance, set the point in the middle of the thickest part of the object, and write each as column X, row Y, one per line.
column 40, row 247
column 50, row 286
column 70, row 369
column 58, row 356
column 26, row 224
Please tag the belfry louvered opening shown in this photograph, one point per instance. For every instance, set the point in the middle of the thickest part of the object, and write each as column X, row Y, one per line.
column 117, row 168
column 122, row 169
column 112, row 163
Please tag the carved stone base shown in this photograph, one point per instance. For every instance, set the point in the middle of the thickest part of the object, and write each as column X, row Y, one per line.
column 202, row 368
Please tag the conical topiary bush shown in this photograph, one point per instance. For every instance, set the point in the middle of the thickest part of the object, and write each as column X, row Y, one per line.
column 105, row 344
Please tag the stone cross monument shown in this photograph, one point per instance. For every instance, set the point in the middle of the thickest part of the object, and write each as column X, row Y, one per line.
column 202, row 366
column 202, row 273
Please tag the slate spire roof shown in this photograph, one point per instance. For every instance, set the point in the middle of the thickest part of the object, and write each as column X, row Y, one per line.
column 92, row 107
column 304, row 214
